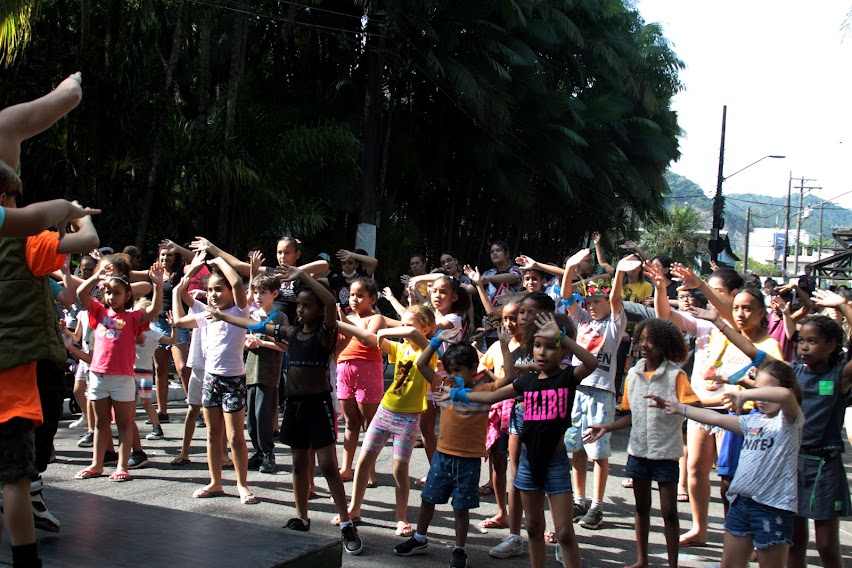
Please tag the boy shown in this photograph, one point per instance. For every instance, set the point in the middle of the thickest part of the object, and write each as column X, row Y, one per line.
column 599, row 330
column 461, row 446
column 263, row 367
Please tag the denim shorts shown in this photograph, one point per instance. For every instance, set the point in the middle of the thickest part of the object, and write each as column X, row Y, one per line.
column 160, row 324
column 452, row 475
column 767, row 526
column 516, row 420
column 500, row 445
column 558, row 479
column 661, row 471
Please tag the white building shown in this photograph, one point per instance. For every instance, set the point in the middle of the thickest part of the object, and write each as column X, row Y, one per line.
column 766, row 245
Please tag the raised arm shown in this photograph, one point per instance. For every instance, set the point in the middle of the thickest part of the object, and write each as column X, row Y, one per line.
column 736, row 338
column 367, row 262
column 172, row 247
column 548, row 327
column 387, row 294
column 527, row 263
column 37, row 217
column 201, row 244
column 571, row 269
column 84, row 237
column 237, row 286
column 596, row 238
column 703, row 415
column 634, row 246
column 324, row 294
column 157, row 302
column 85, row 289
column 661, row 301
column 779, row 395
column 624, row 266
column 828, row 299
column 691, row 281
column 476, row 277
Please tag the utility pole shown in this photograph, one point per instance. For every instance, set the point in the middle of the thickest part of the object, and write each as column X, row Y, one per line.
column 787, row 224
column 802, row 189
column 819, row 245
column 745, row 254
column 718, row 201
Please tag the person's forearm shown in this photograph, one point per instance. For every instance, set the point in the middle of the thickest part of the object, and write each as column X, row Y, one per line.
column 568, row 282
column 625, row 421
column 358, row 332
column 846, row 310
column 549, row 268
column 642, row 254
column 316, row 268
column 397, row 306
column 789, row 325
column 153, row 310
column 367, row 262
column 483, row 297
column 83, row 240
column 34, row 218
column 509, row 373
column 322, row 293
column 85, row 289
column 710, row 417
column 724, row 308
column 507, row 278
column 588, row 360
column 739, row 340
column 184, row 252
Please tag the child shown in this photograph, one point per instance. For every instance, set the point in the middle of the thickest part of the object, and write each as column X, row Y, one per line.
column 461, row 446
column 360, row 370
column 763, row 500
column 263, row 370
column 655, row 441
column 544, row 465
column 599, row 331
column 399, row 412
column 143, row 369
column 111, row 383
column 224, row 389
column 308, row 421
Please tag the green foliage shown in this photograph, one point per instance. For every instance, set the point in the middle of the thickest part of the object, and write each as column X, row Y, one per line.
column 759, row 268
column 677, row 236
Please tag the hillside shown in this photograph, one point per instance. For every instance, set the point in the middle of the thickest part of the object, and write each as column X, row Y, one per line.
column 766, row 211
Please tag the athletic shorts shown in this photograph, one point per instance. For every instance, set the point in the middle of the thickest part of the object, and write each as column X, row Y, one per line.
column 308, row 422
column 227, row 393
column 120, row 388
column 17, row 450
column 453, row 475
column 404, row 427
column 591, row 406
column 362, row 380
column 144, row 382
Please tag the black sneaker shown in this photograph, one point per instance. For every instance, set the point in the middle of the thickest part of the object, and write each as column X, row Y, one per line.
column 156, row 433
column 297, row 524
column 87, row 441
column 580, row 511
column 255, row 461
column 459, row 559
column 410, row 546
column 110, row 457
column 163, row 418
column 137, row 460
column 199, row 422
column 42, row 517
column 268, row 465
column 351, row 541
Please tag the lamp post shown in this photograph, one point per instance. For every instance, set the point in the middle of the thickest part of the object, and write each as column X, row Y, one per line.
column 716, row 243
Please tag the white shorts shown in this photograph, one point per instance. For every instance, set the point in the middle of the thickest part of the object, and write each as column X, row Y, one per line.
column 120, row 388
column 196, row 379
column 82, row 372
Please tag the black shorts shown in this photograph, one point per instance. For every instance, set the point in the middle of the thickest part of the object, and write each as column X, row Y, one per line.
column 308, row 422
column 17, row 450
column 661, row 471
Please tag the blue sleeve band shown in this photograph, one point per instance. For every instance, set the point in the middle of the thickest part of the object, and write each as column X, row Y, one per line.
column 435, row 343
column 459, row 394
column 259, row 326
column 735, row 377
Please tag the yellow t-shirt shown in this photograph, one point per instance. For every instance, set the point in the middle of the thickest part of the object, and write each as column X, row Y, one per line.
column 407, row 392
column 637, row 292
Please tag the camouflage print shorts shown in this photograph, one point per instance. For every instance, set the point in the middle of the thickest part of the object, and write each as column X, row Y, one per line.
column 17, row 450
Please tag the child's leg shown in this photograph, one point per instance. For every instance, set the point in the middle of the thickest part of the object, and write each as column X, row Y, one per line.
column 303, row 470
column 353, row 421
column 90, row 413
column 515, row 507
column 424, row 517
column 797, row 556
column 642, row 519
column 327, row 461
column 267, row 411
column 601, row 475
column 189, row 429
column 253, row 414
column 736, row 551
column 368, row 411
column 428, row 419
column 366, row 464
column 724, row 484
column 774, row 556
column 80, row 396
column 18, row 512
column 671, row 523
column 103, row 433
column 161, row 363
column 403, row 488
column 499, row 462
column 179, row 356
column 135, row 441
column 702, row 449
column 828, row 542
column 533, row 503
column 561, row 509
column 215, row 432
column 126, row 425
column 239, row 452
column 145, row 397
column 461, row 518
column 579, row 470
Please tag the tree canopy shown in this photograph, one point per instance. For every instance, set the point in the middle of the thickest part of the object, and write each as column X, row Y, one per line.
column 533, row 122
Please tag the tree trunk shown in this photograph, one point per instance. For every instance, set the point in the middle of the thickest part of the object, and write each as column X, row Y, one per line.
column 161, row 125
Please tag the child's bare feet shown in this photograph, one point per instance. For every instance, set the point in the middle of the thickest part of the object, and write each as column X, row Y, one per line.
column 693, row 538
column 346, row 475
column 639, row 564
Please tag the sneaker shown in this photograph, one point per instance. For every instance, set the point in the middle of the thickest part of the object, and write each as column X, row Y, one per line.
column 268, row 465
column 87, row 441
column 580, row 511
column 137, row 460
column 410, row 546
column 43, row 518
column 297, row 524
column 511, row 545
column 593, row 519
column 559, row 555
column 79, row 423
column 199, row 422
column 163, row 418
column 110, row 457
column 156, row 433
column 351, row 541
column 459, row 558
column 255, row 461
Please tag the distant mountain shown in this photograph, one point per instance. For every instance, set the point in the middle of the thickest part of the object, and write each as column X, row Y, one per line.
column 766, row 211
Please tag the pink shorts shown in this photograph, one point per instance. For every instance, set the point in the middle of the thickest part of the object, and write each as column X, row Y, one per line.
column 362, row 380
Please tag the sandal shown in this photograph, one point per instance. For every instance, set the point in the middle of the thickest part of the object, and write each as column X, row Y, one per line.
column 493, row 523
column 550, row 537
column 180, row 461
column 627, row 483
column 228, row 463
column 421, row 483
column 403, row 529
column 683, row 497
column 248, row 499
column 120, row 477
column 88, row 474
column 486, row 490
column 297, row 524
column 205, row 493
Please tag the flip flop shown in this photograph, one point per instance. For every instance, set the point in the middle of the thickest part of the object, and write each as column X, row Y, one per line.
column 683, row 497
column 204, row 493
column 248, row 499
column 421, row 483
column 403, row 529
column 228, row 463
column 180, row 461
column 120, row 477
column 628, row 483
column 88, row 474
column 549, row 537
column 691, row 542
column 493, row 524
column 486, row 490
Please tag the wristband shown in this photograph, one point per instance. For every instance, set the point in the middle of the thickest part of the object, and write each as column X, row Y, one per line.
column 734, row 378
column 435, row 343
column 261, row 324
column 575, row 297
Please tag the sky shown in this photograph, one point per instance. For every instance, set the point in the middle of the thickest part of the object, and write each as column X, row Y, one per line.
column 784, row 70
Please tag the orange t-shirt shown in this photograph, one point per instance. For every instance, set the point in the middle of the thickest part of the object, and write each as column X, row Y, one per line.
column 20, row 391
column 683, row 389
column 464, row 426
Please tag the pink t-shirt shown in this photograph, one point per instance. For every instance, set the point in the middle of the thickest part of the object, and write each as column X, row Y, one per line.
column 114, row 351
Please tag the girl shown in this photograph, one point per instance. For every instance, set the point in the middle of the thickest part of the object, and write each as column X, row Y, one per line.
column 147, row 343
column 655, row 444
column 825, row 379
column 544, row 468
column 111, row 383
column 636, row 289
column 762, row 499
column 353, row 265
column 360, row 371
column 307, row 423
column 504, row 278
column 400, row 409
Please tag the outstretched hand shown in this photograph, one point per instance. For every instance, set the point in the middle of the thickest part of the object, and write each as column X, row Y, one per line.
column 596, row 238
column 594, row 433
column 525, row 262
column 628, row 264
column 473, row 274
column 579, row 256
column 653, row 272
column 75, row 211
column 450, row 335
column 708, row 314
column 690, row 279
column 828, row 299
column 546, row 324
column 256, row 261
column 156, row 274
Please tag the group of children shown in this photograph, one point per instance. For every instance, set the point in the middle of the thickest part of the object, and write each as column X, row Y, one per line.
column 537, row 392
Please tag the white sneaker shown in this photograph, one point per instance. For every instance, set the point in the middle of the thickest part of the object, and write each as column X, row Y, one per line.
column 512, row 545
column 79, row 423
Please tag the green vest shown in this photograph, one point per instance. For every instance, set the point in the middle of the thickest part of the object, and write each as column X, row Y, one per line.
column 28, row 325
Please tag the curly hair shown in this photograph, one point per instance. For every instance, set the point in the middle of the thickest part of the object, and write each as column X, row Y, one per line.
column 831, row 331
column 665, row 335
